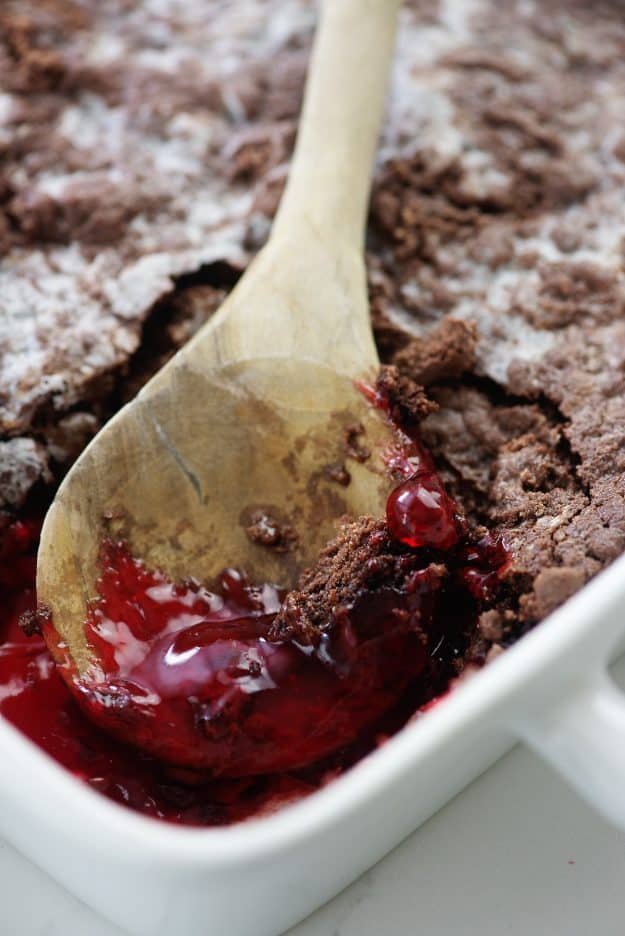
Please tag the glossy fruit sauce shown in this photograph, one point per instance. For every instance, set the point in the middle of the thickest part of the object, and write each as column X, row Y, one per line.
column 192, row 676
column 34, row 697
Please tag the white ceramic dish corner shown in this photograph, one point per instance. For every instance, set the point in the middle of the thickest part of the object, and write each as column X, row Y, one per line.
column 259, row 877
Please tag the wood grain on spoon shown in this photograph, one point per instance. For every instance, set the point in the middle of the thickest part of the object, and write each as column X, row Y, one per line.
column 250, row 413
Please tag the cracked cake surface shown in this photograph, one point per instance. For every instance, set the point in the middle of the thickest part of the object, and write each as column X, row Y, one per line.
column 139, row 174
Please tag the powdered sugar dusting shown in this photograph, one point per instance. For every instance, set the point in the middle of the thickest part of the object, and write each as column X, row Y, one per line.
column 146, row 170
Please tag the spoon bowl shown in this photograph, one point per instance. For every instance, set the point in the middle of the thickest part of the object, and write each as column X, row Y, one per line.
column 253, row 416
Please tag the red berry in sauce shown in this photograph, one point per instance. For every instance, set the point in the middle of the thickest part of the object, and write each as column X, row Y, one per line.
column 419, row 512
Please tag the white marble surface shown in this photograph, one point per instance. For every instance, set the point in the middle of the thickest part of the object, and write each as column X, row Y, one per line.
column 516, row 853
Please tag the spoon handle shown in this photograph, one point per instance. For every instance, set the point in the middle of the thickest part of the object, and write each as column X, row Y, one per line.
column 330, row 177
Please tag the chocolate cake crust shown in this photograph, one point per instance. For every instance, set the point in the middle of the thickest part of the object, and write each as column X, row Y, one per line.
column 361, row 558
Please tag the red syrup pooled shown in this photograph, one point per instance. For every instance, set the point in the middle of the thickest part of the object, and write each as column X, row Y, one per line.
column 35, row 699
column 193, row 676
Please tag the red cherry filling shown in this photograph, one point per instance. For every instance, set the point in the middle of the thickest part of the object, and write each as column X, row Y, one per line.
column 419, row 512
column 197, row 678
column 199, row 664
column 482, row 566
column 192, row 676
column 35, row 699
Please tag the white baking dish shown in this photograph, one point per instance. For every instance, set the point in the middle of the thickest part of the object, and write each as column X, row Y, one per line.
column 259, row 877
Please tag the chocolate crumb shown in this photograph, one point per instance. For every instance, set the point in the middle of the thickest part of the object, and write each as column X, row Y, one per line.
column 407, row 401
column 490, row 625
column 449, row 350
column 351, row 444
column 553, row 586
column 31, row 622
column 338, row 472
column 362, row 557
column 266, row 530
column 566, row 239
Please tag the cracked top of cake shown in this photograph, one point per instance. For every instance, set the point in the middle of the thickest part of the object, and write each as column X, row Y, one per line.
column 142, row 152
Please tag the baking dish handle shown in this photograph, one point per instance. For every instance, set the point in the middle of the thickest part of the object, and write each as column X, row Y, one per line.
column 582, row 735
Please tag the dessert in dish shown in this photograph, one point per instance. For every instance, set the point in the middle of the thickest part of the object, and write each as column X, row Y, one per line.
column 264, row 699
column 495, row 269
column 239, row 679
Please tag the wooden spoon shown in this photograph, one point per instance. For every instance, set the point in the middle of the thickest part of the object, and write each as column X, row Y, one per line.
column 252, row 411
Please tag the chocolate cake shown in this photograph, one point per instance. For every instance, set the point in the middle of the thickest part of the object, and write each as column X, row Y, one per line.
column 143, row 149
